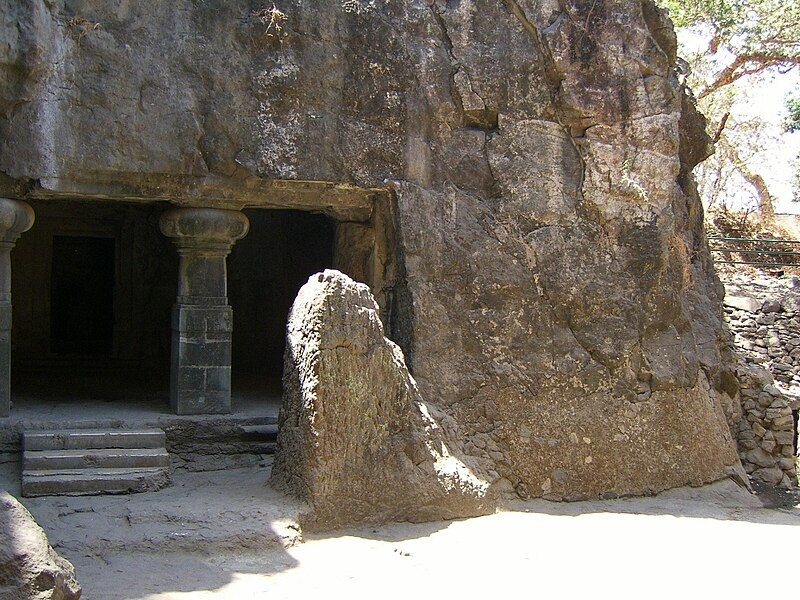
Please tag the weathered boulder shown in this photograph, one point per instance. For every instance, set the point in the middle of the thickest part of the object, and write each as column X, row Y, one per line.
column 29, row 568
column 355, row 438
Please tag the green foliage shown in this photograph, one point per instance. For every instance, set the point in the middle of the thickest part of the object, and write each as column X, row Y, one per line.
column 792, row 123
column 732, row 40
column 796, row 180
column 758, row 34
column 721, row 15
column 752, row 26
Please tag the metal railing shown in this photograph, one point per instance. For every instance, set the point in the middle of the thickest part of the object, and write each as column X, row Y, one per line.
column 749, row 251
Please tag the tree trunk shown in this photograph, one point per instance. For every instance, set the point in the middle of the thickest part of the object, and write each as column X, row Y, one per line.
column 766, row 206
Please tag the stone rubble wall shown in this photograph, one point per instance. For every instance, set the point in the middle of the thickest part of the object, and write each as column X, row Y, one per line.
column 766, row 430
column 767, row 336
column 767, row 333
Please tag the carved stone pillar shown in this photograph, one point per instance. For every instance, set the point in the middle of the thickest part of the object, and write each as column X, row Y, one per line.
column 15, row 218
column 202, row 321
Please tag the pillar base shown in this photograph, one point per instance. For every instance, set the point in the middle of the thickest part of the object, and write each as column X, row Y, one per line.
column 200, row 381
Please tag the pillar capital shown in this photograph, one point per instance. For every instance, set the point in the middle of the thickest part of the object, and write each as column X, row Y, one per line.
column 16, row 217
column 204, row 230
column 203, row 237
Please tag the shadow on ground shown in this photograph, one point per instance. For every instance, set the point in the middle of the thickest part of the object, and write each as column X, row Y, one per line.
column 182, row 538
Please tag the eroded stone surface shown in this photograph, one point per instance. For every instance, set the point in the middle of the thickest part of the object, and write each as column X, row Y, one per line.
column 355, row 439
column 29, row 568
column 557, row 299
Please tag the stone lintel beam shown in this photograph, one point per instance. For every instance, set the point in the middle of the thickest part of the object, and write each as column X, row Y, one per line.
column 202, row 321
column 339, row 201
column 15, row 218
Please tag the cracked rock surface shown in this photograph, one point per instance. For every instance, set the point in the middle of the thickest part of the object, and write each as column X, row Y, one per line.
column 557, row 299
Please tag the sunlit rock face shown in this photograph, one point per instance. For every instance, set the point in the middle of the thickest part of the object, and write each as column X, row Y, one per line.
column 555, row 295
column 355, row 438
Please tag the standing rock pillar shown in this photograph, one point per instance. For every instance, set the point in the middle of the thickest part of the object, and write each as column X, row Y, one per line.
column 15, row 218
column 202, row 321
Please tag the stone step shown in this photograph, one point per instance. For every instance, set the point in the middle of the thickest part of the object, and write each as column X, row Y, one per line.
column 85, row 439
column 105, row 458
column 78, row 482
column 94, row 461
column 266, row 432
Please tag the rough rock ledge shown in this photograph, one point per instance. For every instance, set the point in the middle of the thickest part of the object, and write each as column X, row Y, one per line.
column 355, row 439
column 29, row 567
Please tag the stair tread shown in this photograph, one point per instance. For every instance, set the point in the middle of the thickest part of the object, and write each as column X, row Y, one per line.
column 94, row 481
column 88, row 458
column 85, row 439
column 267, row 429
column 147, row 430
column 94, row 461
column 95, row 452
column 92, row 472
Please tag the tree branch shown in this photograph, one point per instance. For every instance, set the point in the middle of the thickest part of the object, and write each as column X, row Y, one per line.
column 721, row 127
column 748, row 64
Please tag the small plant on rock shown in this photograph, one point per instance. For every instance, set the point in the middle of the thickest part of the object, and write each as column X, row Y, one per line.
column 274, row 19
column 82, row 26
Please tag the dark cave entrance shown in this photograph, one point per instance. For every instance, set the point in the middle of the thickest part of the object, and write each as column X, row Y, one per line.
column 94, row 284
column 265, row 271
column 82, row 295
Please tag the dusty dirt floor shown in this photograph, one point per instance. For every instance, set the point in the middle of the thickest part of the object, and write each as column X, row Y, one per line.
column 226, row 534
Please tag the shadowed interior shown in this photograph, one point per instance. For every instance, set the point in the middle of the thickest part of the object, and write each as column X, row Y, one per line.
column 94, row 284
column 265, row 271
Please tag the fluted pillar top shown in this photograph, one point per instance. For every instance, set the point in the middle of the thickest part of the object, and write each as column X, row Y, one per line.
column 204, row 228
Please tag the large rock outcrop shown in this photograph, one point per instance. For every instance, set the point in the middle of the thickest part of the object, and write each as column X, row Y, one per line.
column 555, row 297
column 355, row 439
column 29, row 568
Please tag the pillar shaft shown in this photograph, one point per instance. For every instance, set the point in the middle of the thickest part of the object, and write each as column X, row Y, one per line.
column 202, row 321
column 15, row 218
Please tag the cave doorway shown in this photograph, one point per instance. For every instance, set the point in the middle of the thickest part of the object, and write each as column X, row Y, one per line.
column 82, row 284
column 93, row 284
column 266, row 269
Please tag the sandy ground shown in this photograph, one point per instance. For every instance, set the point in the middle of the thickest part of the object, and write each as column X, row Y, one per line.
column 227, row 535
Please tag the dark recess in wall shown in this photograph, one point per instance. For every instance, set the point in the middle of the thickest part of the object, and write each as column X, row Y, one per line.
column 265, row 271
